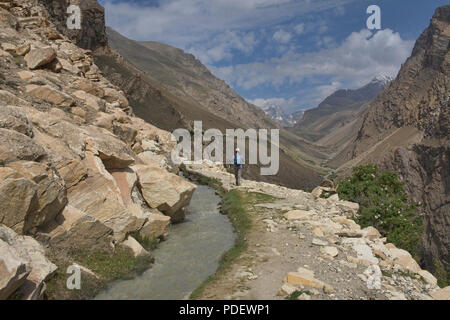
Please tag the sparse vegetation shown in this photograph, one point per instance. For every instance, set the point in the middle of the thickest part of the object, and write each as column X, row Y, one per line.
column 384, row 204
column 442, row 273
column 147, row 243
column 297, row 293
column 108, row 266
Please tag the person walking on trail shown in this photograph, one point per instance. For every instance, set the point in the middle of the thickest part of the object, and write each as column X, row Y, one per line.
column 237, row 159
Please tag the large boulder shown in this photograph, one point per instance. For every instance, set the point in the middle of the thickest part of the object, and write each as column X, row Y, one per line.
column 13, row 270
column 165, row 191
column 404, row 259
column 17, row 199
column 47, row 93
column 11, row 118
column 37, row 58
column 114, row 153
column 73, row 229
column 17, row 146
column 51, row 196
column 441, row 294
column 99, row 196
column 156, row 226
column 30, row 251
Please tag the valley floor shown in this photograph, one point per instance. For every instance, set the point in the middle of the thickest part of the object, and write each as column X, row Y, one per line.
column 303, row 247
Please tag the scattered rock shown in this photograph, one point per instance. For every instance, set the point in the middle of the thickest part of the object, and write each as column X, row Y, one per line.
column 298, row 215
column 330, row 251
column 428, row 277
column 441, row 294
column 37, row 58
column 13, row 270
column 135, row 246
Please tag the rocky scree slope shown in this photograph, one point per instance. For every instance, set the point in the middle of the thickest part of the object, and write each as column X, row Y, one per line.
column 77, row 169
column 406, row 129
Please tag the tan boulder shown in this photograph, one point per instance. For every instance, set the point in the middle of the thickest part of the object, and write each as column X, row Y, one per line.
column 37, row 58
column 135, row 246
column 89, row 87
column 99, row 196
column 13, row 270
column 371, row 233
column 90, row 100
column 16, row 146
column 428, row 277
column 304, row 277
column 50, row 197
column 329, row 251
column 441, row 294
column 165, row 191
column 77, row 230
column 350, row 209
column 404, row 259
column 9, row 98
column 12, row 118
column 33, row 253
column 298, row 215
column 112, row 95
column 25, row 75
column 48, row 94
column 18, row 199
column 352, row 225
column 114, row 153
column 23, row 49
column 156, row 226
column 287, row 289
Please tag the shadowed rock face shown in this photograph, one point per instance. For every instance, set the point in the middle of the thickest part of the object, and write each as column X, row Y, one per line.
column 418, row 99
column 92, row 34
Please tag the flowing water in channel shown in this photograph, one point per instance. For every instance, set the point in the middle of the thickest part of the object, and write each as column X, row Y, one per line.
column 189, row 255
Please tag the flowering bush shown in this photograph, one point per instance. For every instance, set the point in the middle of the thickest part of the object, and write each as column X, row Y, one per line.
column 384, row 204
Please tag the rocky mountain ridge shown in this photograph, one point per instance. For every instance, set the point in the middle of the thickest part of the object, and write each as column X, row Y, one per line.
column 338, row 112
column 77, row 169
column 406, row 129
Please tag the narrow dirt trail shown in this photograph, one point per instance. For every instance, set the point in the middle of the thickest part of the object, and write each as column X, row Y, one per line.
column 326, row 255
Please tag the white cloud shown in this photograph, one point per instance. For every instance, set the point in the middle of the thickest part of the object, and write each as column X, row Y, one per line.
column 282, row 36
column 185, row 22
column 300, row 28
column 361, row 57
column 270, row 102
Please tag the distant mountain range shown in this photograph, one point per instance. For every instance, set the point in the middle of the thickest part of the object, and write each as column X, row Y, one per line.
column 338, row 110
column 277, row 114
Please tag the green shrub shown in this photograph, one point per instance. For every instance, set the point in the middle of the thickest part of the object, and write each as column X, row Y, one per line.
column 384, row 204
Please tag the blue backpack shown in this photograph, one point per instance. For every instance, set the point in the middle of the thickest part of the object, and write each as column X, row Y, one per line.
column 237, row 160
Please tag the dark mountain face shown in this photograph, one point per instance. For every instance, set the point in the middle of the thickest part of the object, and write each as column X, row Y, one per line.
column 92, row 34
column 340, row 108
column 406, row 128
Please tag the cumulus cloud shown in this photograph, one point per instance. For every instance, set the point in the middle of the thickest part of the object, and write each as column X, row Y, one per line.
column 282, row 36
column 300, row 28
column 184, row 22
column 361, row 57
column 270, row 102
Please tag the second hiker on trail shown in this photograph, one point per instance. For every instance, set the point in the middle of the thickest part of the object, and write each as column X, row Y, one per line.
column 237, row 159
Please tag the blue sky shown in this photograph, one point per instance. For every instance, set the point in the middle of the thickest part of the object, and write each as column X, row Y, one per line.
column 292, row 53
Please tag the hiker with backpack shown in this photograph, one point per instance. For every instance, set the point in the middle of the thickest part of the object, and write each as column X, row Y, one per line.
column 237, row 166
